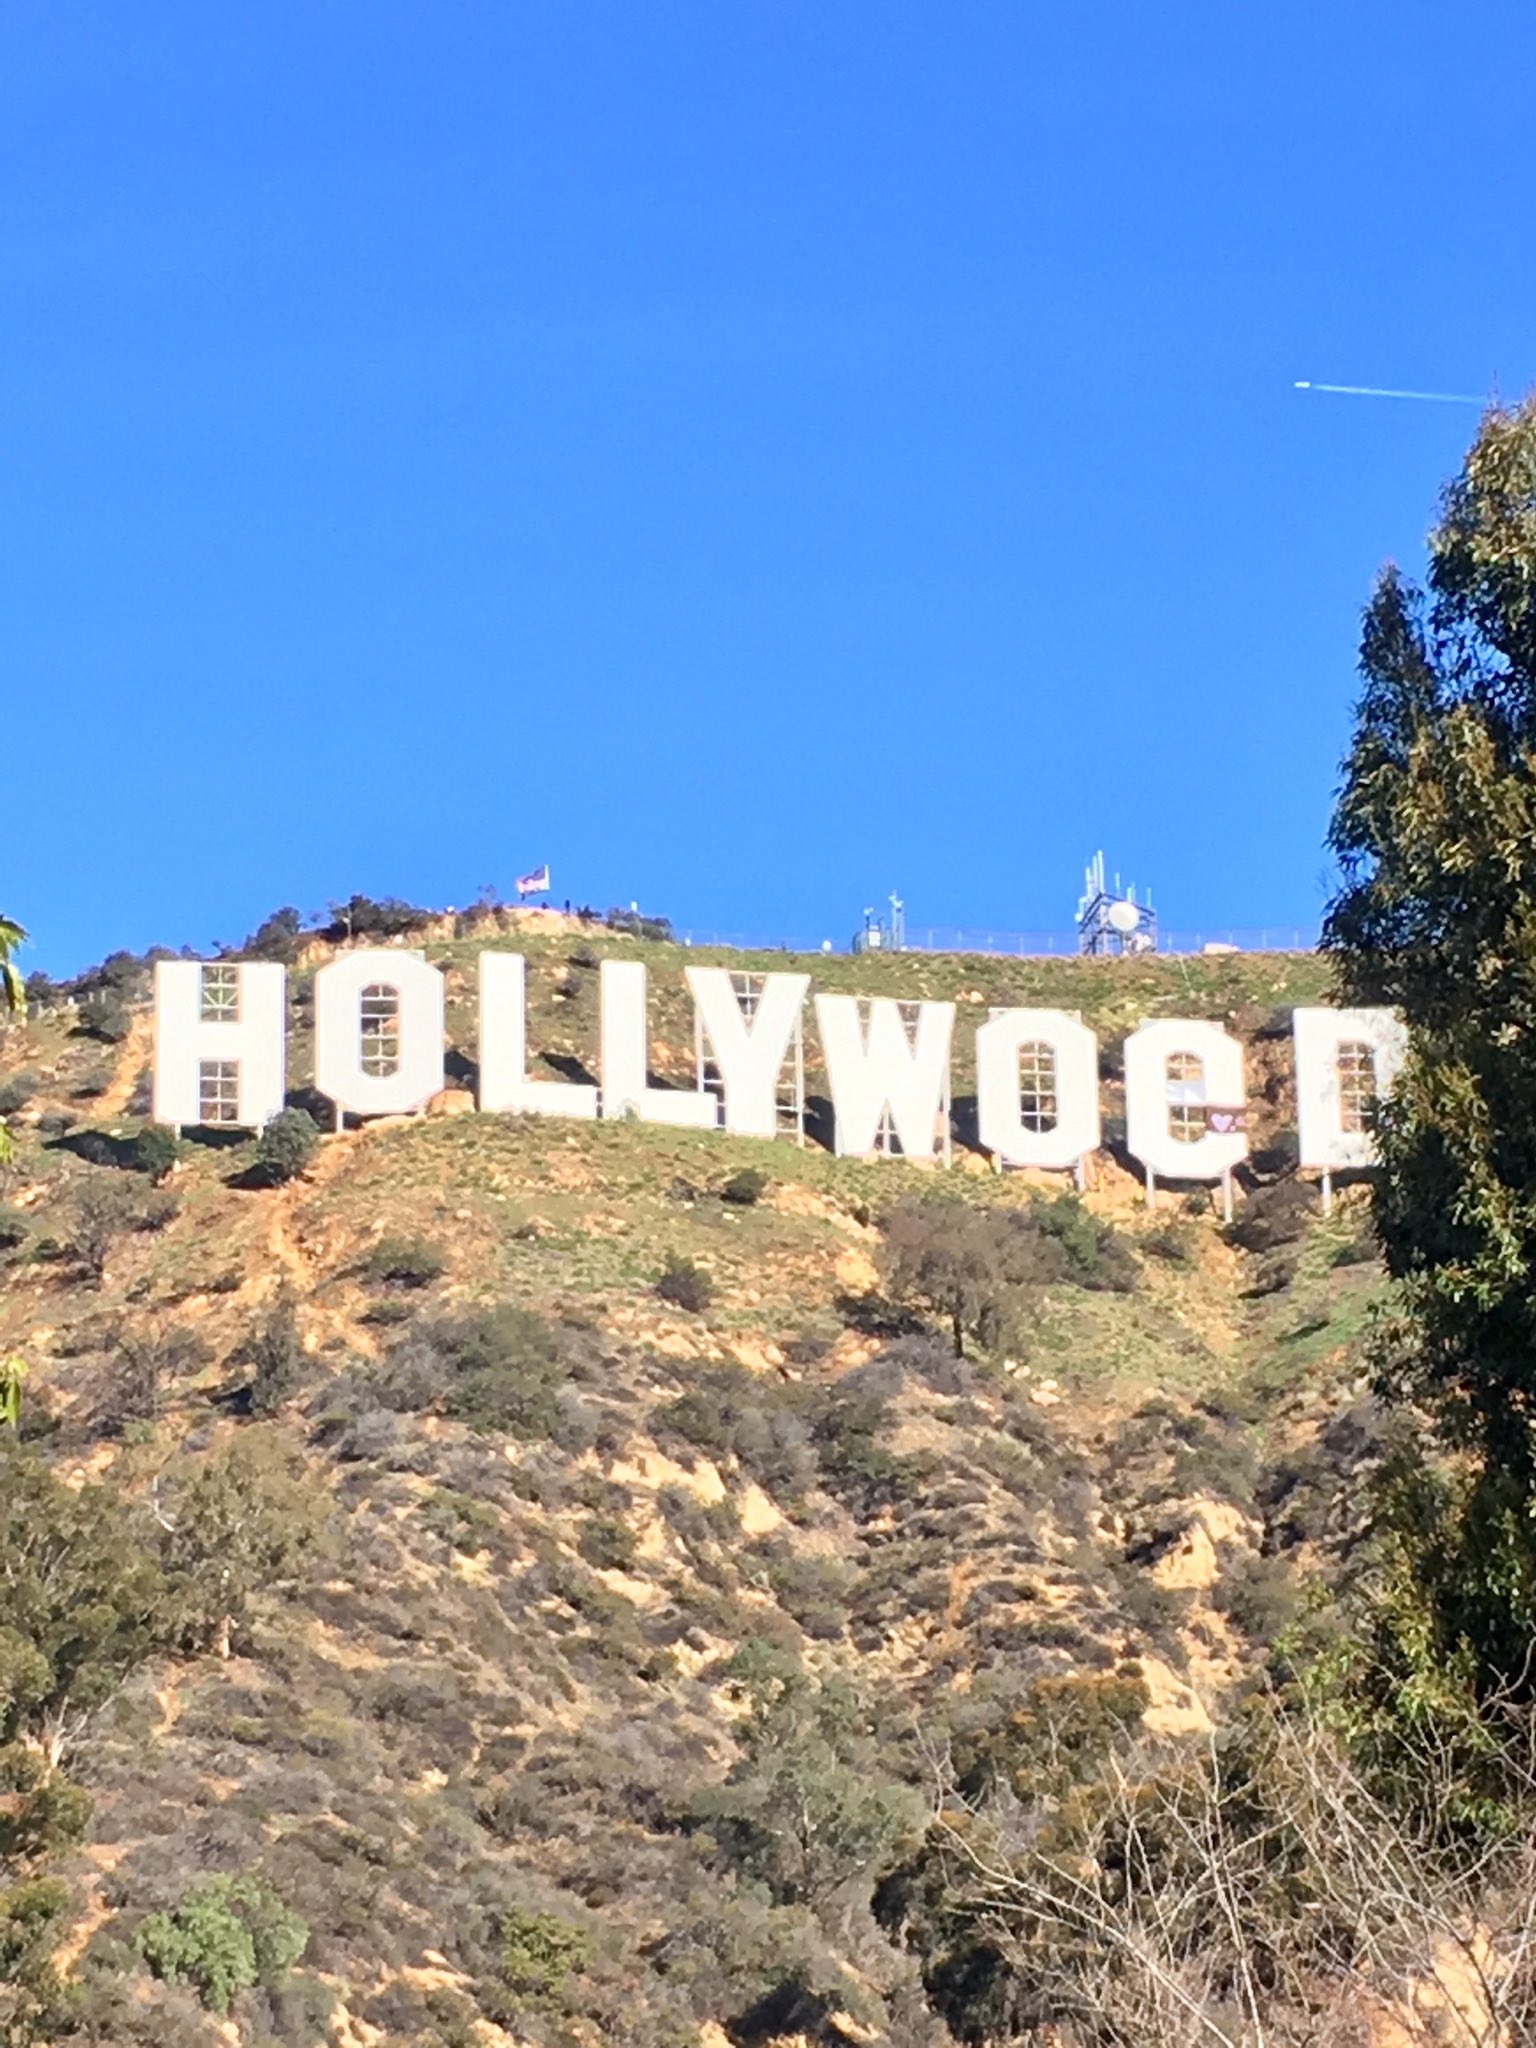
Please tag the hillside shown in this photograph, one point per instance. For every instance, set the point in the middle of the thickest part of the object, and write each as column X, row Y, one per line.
column 582, row 1599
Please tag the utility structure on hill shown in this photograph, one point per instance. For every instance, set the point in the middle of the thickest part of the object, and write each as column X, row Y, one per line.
column 883, row 934
column 1111, row 920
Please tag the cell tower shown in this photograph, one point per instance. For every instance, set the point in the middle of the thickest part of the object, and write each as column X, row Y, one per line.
column 883, row 934
column 1111, row 920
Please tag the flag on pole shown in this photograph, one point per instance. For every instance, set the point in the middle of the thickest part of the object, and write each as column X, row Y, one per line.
column 536, row 884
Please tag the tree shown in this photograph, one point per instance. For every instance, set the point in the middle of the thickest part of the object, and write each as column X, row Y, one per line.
column 277, row 937
column 144, row 1366
column 104, row 1210
column 224, row 1935
column 1435, row 830
column 971, row 1263
column 953, row 1260
column 274, row 1353
column 13, row 994
column 806, row 1808
column 81, row 1602
column 242, row 1522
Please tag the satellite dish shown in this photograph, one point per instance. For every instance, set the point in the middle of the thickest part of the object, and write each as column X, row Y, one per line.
column 1123, row 917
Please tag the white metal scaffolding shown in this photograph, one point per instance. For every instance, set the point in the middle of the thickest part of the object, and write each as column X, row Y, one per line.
column 789, row 1089
column 888, row 1139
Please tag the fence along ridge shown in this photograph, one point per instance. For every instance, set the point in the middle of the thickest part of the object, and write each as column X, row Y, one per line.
column 978, row 939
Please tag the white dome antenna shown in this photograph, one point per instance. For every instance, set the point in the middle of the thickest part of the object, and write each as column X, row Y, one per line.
column 1110, row 920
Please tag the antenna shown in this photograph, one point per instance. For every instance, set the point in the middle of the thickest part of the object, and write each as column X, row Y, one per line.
column 883, row 934
column 1111, row 920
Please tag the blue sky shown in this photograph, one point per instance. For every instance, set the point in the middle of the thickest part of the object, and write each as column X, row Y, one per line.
column 751, row 456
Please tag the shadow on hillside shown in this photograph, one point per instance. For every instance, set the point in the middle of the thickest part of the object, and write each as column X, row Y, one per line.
column 791, row 2009
column 253, row 1179
column 1181, row 1190
column 820, row 1122
column 569, row 1068
column 666, row 1085
column 212, row 1138
column 96, row 1148
column 1267, row 1163
column 872, row 1315
column 965, row 1124
column 319, row 1108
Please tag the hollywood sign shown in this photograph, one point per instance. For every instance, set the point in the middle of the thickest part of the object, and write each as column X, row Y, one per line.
column 221, row 1037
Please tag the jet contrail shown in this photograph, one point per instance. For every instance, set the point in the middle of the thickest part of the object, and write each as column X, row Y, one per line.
column 1375, row 391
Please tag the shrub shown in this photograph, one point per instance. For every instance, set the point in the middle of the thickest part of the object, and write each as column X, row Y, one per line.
column 1360, row 1249
column 921, row 1359
column 286, row 1147
column 607, row 1543
column 373, row 1437
column 275, row 1354
column 17, row 1092
column 509, row 1361
column 276, row 937
column 459, row 1519
column 1171, row 1241
column 1097, row 1256
column 84, row 1603
column 737, row 1415
column 635, row 926
column 539, row 1953
column 13, row 1227
column 155, row 1152
column 224, row 1935
column 745, row 1187
column 158, row 1208
column 816, row 1590
column 105, row 1016
column 496, row 1369
column 140, row 1370
column 360, row 917
column 1273, row 1274
column 104, row 1210
column 702, row 1416
column 685, row 1285
column 1273, row 1217
column 807, row 1808
column 404, row 1262
column 1261, row 1597
column 238, row 1524
column 385, row 1314
column 856, row 1466
column 95, row 1147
